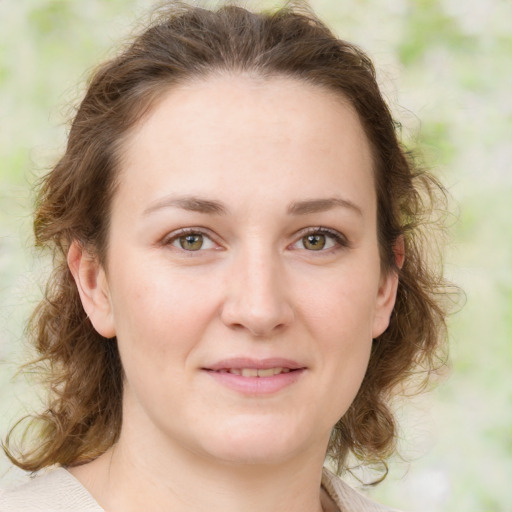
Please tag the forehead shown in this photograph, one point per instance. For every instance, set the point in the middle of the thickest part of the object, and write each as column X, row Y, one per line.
column 250, row 101
column 279, row 131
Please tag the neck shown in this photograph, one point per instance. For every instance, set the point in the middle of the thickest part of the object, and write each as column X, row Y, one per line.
column 127, row 479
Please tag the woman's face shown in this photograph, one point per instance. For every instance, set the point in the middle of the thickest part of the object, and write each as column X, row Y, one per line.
column 243, row 279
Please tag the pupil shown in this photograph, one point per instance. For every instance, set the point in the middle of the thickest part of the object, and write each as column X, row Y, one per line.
column 191, row 242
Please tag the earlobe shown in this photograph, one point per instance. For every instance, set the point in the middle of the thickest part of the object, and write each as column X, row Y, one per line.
column 91, row 282
column 387, row 291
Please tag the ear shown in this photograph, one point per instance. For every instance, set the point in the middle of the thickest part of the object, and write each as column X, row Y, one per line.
column 91, row 281
column 387, row 291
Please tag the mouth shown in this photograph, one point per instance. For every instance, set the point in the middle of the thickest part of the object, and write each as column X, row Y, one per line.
column 256, row 377
column 248, row 367
column 256, row 372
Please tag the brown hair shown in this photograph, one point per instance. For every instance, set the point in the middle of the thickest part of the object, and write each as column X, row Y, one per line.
column 83, row 370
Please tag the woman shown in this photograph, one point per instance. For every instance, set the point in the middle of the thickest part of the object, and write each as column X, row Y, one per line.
column 239, row 287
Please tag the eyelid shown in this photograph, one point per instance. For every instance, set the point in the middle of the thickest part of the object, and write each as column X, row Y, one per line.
column 169, row 238
column 340, row 239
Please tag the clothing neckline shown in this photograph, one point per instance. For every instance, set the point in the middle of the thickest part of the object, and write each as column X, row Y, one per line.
column 326, row 487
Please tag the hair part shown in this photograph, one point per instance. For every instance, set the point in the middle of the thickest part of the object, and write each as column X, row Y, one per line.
column 81, row 369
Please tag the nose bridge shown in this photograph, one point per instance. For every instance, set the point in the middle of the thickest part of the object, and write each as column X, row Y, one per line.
column 257, row 297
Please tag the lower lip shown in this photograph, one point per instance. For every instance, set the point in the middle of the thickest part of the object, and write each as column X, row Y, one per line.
column 256, row 385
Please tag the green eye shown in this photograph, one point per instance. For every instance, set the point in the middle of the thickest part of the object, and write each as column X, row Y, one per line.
column 321, row 240
column 314, row 242
column 191, row 242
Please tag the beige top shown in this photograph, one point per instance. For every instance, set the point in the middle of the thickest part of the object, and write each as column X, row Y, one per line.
column 59, row 491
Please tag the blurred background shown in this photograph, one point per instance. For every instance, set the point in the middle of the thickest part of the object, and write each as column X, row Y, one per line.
column 446, row 69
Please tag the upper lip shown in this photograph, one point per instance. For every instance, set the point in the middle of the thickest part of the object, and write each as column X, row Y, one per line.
column 260, row 364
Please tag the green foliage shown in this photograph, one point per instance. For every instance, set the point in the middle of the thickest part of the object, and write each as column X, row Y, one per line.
column 428, row 27
column 51, row 19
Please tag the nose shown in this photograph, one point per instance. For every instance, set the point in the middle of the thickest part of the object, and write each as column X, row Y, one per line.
column 257, row 299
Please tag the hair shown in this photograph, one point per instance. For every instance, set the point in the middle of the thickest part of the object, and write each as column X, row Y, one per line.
column 81, row 369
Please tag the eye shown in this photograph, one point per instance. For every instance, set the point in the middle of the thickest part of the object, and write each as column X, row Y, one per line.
column 320, row 239
column 191, row 241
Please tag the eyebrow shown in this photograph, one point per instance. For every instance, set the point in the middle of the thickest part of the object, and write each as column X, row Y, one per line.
column 322, row 205
column 208, row 206
column 190, row 203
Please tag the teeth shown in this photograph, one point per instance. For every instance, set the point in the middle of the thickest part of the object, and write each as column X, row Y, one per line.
column 249, row 372
column 256, row 372
column 268, row 372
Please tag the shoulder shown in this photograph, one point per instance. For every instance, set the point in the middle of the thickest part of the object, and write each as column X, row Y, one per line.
column 55, row 490
column 348, row 499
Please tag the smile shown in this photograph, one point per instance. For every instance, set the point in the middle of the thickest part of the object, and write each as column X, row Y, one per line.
column 256, row 377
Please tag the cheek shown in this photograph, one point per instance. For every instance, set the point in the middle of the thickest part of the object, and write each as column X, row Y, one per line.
column 160, row 324
column 158, row 315
column 340, row 321
column 342, row 304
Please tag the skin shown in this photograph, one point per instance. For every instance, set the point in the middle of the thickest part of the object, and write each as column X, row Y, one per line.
column 267, row 163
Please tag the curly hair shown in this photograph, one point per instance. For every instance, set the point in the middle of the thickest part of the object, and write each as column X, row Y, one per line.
column 82, row 369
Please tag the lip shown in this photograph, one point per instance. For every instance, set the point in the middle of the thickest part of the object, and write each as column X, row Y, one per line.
column 247, row 362
column 255, row 385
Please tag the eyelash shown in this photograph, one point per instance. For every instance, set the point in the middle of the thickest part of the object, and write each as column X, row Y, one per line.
column 176, row 235
column 339, row 239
